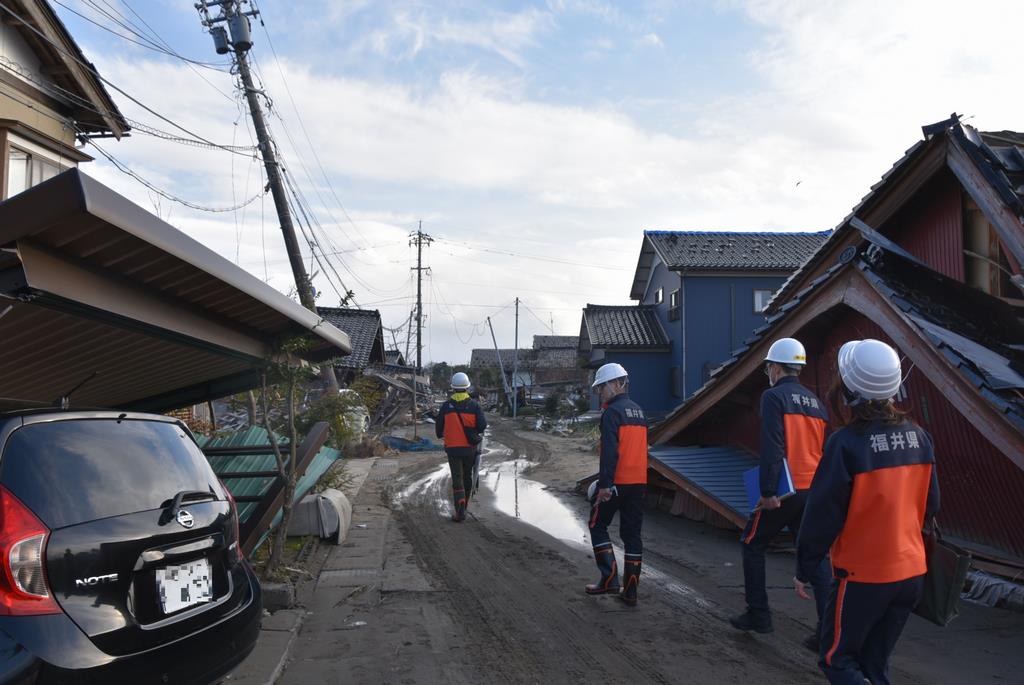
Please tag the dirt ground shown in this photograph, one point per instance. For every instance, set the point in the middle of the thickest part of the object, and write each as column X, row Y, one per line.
column 500, row 597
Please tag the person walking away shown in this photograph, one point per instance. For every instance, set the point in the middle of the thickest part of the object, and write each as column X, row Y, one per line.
column 461, row 422
column 621, row 484
column 874, row 490
column 793, row 422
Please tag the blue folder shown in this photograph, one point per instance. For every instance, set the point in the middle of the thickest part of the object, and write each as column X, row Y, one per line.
column 752, row 483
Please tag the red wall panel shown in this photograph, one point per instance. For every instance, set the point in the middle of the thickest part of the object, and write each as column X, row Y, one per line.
column 930, row 227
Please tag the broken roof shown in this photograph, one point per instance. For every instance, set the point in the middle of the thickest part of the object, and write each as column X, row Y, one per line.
column 94, row 284
column 487, row 358
column 990, row 167
column 978, row 337
column 365, row 331
column 622, row 326
column 718, row 251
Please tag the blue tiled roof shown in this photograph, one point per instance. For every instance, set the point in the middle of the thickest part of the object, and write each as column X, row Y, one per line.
column 718, row 471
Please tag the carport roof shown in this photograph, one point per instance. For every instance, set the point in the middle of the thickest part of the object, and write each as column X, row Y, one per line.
column 90, row 283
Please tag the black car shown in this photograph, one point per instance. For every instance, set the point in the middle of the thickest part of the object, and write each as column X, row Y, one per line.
column 120, row 559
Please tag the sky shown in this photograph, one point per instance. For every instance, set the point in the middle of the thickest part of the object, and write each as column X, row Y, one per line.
column 535, row 141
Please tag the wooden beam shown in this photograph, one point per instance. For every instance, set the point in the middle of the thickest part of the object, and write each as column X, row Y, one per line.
column 962, row 395
column 1008, row 224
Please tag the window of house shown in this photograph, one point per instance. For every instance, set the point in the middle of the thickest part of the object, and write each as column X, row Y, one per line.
column 659, row 296
column 761, row 299
column 25, row 170
column 673, row 306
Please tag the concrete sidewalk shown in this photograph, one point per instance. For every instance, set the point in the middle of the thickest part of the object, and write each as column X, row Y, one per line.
column 360, row 556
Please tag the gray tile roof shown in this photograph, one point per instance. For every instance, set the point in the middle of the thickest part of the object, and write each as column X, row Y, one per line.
column 559, row 357
column 541, row 342
column 364, row 328
column 704, row 250
column 619, row 326
column 487, row 358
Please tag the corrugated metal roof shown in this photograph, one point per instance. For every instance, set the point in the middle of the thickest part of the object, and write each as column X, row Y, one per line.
column 624, row 326
column 256, row 487
column 717, row 471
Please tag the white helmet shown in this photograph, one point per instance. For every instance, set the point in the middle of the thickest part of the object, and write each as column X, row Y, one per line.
column 870, row 369
column 787, row 351
column 460, row 381
column 608, row 372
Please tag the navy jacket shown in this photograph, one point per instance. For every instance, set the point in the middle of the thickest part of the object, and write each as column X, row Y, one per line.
column 793, row 424
column 623, row 443
column 874, row 490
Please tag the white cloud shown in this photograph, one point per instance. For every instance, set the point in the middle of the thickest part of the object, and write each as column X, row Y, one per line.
column 840, row 90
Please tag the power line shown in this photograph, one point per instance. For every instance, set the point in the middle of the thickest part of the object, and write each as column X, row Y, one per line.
column 521, row 255
column 163, row 193
column 88, row 67
column 146, row 42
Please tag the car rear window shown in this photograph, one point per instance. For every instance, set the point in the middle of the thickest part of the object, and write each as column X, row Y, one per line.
column 68, row 472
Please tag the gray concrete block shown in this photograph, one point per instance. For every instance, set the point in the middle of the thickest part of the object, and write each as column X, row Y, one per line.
column 277, row 596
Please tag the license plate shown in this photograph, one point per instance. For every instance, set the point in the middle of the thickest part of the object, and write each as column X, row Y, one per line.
column 184, row 586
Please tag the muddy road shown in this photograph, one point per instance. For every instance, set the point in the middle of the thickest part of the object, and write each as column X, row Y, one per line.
column 513, row 575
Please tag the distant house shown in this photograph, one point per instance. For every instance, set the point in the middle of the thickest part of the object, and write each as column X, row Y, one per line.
column 929, row 261
column 394, row 358
column 50, row 95
column 706, row 291
column 551, row 361
column 367, row 334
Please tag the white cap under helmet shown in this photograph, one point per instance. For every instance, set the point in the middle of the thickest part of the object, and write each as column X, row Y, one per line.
column 608, row 372
column 787, row 351
column 460, row 381
column 870, row 369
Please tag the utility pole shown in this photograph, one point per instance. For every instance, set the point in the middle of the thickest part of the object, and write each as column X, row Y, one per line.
column 515, row 365
column 501, row 367
column 418, row 239
column 239, row 44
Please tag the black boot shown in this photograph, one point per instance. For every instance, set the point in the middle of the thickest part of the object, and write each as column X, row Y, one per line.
column 757, row 621
column 630, row 581
column 605, row 558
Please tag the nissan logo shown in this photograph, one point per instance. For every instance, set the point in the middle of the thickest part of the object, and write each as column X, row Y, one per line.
column 185, row 519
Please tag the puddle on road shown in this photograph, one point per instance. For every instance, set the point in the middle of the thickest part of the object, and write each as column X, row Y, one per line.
column 530, row 502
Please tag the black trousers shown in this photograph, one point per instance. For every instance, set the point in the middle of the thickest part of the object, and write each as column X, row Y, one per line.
column 862, row 623
column 629, row 503
column 762, row 526
column 461, row 466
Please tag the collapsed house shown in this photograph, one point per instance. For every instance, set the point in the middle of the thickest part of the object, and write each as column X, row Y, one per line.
column 930, row 262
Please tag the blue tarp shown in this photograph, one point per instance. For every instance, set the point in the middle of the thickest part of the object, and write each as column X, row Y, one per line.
column 404, row 445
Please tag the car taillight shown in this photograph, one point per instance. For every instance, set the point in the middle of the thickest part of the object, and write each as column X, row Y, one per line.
column 237, row 544
column 23, row 587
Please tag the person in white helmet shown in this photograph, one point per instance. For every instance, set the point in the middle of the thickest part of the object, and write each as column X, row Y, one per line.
column 875, row 490
column 621, row 484
column 461, row 423
column 793, row 422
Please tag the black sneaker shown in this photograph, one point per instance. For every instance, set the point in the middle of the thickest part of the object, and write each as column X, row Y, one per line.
column 812, row 642
column 759, row 623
